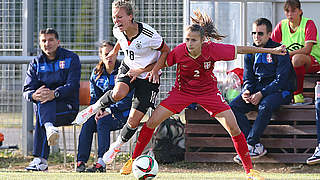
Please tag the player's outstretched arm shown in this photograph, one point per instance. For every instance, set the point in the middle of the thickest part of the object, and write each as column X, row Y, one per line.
column 281, row 50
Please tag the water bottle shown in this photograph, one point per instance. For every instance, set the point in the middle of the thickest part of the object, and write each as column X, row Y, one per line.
column 317, row 91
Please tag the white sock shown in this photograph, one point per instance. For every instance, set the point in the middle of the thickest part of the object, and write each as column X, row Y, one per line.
column 48, row 124
column 100, row 161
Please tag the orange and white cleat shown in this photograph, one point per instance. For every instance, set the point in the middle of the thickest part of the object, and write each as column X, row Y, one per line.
column 127, row 168
column 254, row 175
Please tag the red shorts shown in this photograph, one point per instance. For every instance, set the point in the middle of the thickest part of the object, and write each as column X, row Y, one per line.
column 213, row 103
column 315, row 66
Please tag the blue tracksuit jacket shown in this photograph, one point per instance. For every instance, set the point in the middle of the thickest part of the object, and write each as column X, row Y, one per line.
column 274, row 76
column 63, row 75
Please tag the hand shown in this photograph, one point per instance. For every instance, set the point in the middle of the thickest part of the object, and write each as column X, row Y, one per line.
column 246, row 96
column 100, row 114
column 153, row 77
column 43, row 94
column 255, row 98
column 134, row 73
column 281, row 50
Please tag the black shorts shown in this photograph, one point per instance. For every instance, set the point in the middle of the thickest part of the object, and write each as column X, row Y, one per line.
column 145, row 92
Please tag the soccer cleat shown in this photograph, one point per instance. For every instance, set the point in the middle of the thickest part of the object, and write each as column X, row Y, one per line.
column 85, row 114
column 109, row 156
column 255, row 151
column 315, row 158
column 81, row 167
column 298, row 98
column 52, row 135
column 37, row 165
column 254, row 175
column 96, row 168
column 127, row 168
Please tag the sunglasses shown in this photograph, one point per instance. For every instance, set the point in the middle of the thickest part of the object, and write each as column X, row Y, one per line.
column 259, row 33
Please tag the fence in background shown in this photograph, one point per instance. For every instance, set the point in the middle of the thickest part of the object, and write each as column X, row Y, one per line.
column 11, row 111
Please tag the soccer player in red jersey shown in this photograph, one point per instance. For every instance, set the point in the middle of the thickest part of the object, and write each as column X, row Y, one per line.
column 299, row 34
column 196, row 83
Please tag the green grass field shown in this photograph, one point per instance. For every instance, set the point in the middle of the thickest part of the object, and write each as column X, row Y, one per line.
column 12, row 166
column 160, row 176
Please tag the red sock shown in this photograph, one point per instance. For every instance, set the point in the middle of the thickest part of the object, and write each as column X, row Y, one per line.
column 300, row 71
column 143, row 140
column 240, row 144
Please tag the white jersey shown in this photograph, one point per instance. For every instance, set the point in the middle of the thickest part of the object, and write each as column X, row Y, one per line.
column 142, row 49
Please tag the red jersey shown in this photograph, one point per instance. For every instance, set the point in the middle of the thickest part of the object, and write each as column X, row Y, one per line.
column 195, row 76
column 310, row 32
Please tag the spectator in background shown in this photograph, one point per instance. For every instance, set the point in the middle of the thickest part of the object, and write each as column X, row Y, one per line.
column 113, row 118
column 52, row 84
column 269, row 81
column 300, row 36
column 315, row 158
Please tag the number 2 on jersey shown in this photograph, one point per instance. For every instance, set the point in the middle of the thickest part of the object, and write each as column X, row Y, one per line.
column 130, row 54
column 196, row 73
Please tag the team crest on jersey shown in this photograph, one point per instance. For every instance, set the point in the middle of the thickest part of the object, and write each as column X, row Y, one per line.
column 62, row 64
column 139, row 45
column 207, row 65
column 269, row 58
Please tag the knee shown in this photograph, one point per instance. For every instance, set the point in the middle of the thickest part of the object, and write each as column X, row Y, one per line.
column 298, row 60
column 265, row 108
column 118, row 95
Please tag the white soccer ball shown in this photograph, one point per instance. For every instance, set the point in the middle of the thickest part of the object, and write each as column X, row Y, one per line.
column 144, row 167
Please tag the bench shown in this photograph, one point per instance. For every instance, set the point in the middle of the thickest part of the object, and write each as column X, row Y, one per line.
column 290, row 136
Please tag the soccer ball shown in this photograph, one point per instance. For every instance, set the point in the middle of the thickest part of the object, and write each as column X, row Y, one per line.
column 144, row 167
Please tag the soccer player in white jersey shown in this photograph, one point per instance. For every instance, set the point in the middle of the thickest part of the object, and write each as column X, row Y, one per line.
column 143, row 48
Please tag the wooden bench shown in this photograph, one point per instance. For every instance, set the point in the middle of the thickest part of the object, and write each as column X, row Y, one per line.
column 309, row 83
column 290, row 137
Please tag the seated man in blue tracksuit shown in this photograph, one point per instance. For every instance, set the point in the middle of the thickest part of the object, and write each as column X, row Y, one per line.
column 52, row 84
column 113, row 118
column 269, row 81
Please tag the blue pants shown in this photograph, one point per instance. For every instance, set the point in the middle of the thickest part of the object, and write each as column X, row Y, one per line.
column 266, row 106
column 56, row 112
column 103, row 128
column 317, row 104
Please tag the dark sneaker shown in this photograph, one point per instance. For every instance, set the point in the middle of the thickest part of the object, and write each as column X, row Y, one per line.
column 81, row 167
column 97, row 168
column 315, row 158
column 257, row 150
column 237, row 159
column 37, row 165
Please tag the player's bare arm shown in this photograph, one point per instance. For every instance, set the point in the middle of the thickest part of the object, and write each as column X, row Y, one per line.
column 114, row 51
column 281, row 50
column 134, row 73
column 154, row 75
